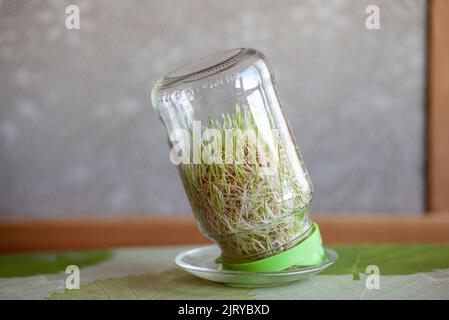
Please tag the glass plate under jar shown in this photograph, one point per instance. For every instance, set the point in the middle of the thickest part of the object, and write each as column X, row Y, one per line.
column 201, row 262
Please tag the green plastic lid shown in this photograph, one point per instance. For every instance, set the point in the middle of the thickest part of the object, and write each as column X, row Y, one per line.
column 308, row 252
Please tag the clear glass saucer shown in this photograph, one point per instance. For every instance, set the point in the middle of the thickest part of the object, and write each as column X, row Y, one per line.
column 201, row 263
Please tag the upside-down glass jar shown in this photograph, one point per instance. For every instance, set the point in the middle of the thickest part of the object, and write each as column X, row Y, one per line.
column 240, row 166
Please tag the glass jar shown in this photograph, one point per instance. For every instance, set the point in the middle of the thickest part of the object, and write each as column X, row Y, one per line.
column 240, row 166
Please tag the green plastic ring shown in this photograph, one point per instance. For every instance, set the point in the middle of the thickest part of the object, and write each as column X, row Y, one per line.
column 308, row 252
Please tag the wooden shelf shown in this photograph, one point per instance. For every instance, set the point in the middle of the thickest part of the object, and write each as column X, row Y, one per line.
column 94, row 233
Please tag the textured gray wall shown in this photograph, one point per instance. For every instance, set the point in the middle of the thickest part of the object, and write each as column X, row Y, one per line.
column 78, row 135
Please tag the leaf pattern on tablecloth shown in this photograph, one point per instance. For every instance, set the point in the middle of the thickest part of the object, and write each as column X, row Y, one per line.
column 170, row 284
column 433, row 285
column 391, row 259
column 407, row 272
column 22, row 265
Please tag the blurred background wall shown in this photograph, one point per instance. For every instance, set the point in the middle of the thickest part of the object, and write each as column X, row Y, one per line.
column 78, row 136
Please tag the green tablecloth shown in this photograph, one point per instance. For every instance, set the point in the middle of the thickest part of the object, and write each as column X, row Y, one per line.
column 406, row 272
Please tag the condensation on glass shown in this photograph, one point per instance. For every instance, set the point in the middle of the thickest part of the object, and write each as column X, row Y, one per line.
column 240, row 166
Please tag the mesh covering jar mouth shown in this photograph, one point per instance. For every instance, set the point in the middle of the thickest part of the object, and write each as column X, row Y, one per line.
column 241, row 169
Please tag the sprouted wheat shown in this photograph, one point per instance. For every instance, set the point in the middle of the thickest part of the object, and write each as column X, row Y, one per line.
column 249, row 214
